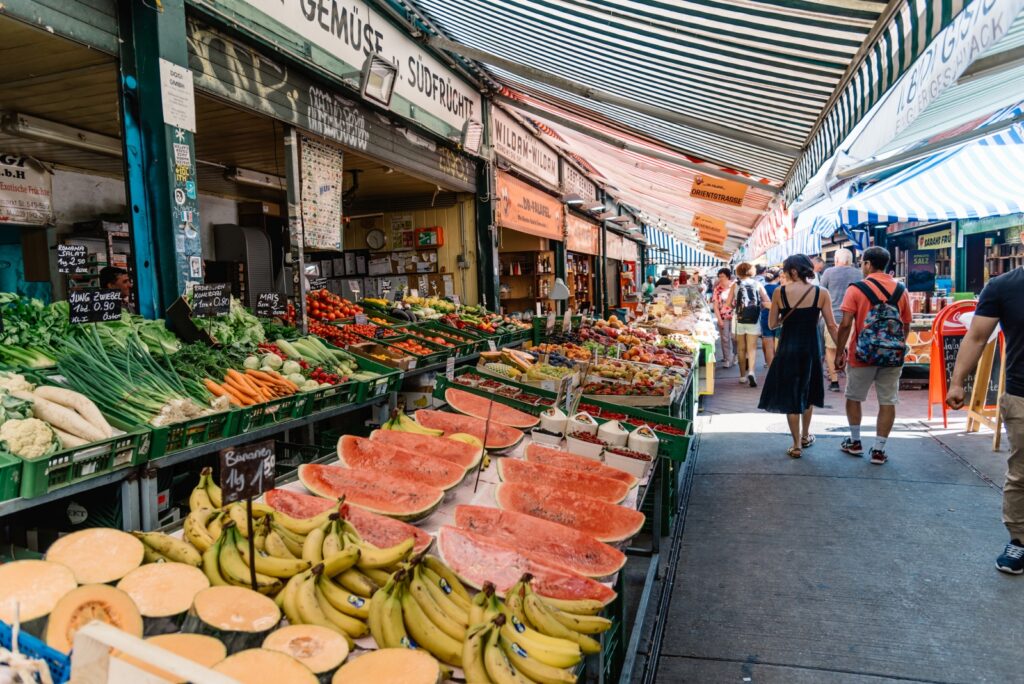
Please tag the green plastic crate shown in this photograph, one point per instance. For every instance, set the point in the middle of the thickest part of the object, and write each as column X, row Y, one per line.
column 10, row 477
column 437, row 355
column 273, row 412
column 389, row 380
column 45, row 474
column 327, row 398
column 168, row 439
column 474, row 344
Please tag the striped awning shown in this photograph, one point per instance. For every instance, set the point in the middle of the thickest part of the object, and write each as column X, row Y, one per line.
column 665, row 250
column 984, row 178
column 801, row 243
column 767, row 88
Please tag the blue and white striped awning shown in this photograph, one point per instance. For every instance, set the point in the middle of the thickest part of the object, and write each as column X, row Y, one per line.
column 983, row 178
column 666, row 250
column 802, row 243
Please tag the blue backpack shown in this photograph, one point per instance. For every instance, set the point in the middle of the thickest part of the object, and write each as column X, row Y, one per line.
column 883, row 340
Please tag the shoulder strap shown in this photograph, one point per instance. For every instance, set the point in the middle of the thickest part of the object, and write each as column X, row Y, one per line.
column 793, row 310
column 785, row 300
column 817, row 293
column 868, row 292
column 897, row 294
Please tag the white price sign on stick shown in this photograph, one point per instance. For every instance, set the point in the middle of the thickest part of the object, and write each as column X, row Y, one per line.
column 567, row 322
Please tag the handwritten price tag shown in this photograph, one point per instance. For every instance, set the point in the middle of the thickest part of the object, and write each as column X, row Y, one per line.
column 247, row 471
column 71, row 259
column 270, row 304
column 211, row 299
column 449, row 368
column 94, row 306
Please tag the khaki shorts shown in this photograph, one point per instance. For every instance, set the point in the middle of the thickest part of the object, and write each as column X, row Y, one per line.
column 886, row 381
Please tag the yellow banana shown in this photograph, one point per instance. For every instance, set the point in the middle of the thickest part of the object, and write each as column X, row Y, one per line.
column 215, row 524
column 290, row 539
column 236, row 571
column 392, row 624
column 356, row 582
column 450, row 606
column 428, row 635
column 237, row 513
column 480, row 599
column 437, row 566
column 211, row 565
column 276, row 547
column 307, row 606
column 195, row 529
column 514, row 603
column 287, row 596
column 549, row 650
column 260, row 540
column 313, row 547
column 332, row 542
column 172, row 548
column 199, row 498
column 584, row 624
column 380, row 577
column 499, row 669
column 375, row 619
column 339, row 562
column 345, row 601
column 212, row 489
column 473, row 654
column 271, row 566
column 407, row 424
column 532, row 668
column 374, row 558
column 578, row 606
column 353, row 627
column 438, row 614
column 303, row 526
column 151, row 555
column 544, row 620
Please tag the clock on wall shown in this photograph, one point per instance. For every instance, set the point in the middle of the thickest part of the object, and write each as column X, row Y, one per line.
column 375, row 239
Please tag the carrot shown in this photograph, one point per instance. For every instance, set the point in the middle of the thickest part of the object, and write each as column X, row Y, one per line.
column 265, row 377
column 214, row 389
column 240, row 389
column 234, row 397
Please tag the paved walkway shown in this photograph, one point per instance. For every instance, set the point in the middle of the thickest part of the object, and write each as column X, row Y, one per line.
column 829, row 569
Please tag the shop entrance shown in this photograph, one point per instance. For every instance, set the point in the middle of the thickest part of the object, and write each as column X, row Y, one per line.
column 974, row 250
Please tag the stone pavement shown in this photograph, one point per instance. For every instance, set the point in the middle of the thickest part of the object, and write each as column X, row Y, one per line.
column 829, row 569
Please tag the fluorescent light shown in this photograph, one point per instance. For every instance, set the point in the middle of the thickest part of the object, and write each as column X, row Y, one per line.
column 618, row 219
column 572, row 199
column 379, row 77
column 34, row 128
column 254, row 178
column 604, row 215
column 472, row 136
column 597, row 206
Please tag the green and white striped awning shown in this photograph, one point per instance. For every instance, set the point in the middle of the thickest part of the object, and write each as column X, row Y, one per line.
column 777, row 84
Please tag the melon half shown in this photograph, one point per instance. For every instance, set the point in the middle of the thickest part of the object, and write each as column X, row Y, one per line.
column 91, row 602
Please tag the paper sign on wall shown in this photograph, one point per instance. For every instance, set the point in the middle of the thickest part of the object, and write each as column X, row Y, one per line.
column 178, row 96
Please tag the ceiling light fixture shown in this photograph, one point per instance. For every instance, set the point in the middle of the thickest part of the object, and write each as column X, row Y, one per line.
column 34, row 128
column 254, row 178
column 379, row 78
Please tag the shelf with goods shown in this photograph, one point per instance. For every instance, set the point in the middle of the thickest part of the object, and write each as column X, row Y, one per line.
column 628, row 286
column 579, row 279
column 526, row 278
column 1004, row 258
column 107, row 247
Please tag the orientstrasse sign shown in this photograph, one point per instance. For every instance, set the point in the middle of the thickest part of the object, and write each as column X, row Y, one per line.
column 350, row 30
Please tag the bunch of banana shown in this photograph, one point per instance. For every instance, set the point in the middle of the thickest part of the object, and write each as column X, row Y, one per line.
column 494, row 653
column 224, row 564
column 162, row 548
column 403, row 423
column 313, row 598
column 206, row 493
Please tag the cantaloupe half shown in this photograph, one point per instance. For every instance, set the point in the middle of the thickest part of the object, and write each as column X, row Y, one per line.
column 91, row 602
column 163, row 593
column 98, row 555
column 239, row 617
column 320, row 649
column 203, row 650
column 30, row 589
column 259, row 666
column 390, row 666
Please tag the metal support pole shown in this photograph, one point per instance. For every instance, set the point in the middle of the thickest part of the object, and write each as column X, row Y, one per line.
column 130, row 513
column 486, row 230
column 293, row 178
column 148, row 488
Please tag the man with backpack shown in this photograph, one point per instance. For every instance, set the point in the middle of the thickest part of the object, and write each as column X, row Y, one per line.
column 748, row 298
column 876, row 311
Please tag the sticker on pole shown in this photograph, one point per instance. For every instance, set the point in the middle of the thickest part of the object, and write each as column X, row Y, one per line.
column 449, row 368
column 247, row 471
column 567, row 322
column 549, row 327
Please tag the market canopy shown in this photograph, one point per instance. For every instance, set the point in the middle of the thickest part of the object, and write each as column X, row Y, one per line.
column 665, row 250
column 761, row 90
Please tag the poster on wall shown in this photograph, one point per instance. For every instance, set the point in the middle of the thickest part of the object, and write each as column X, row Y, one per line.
column 25, row 192
column 321, row 190
column 921, row 271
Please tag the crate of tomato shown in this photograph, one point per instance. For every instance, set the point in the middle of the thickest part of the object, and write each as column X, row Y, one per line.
column 325, row 306
column 426, row 353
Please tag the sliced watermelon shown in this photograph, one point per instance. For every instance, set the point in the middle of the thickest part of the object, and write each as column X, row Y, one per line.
column 359, row 453
column 526, row 472
column 542, row 540
column 477, row 406
column 498, row 436
column 379, row 530
column 539, row 453
column 466, row 455
column 477, row 559
column 395, row 497
column 604, row 521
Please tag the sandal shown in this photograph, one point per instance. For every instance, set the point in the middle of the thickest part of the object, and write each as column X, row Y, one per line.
column 808, row 442
column 793, row 452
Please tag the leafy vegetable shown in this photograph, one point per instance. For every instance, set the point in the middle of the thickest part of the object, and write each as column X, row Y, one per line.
column 33, row 331
column 239, row 329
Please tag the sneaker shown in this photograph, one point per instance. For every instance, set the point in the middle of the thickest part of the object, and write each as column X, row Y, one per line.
column 852, row 447
column 743, row 379
column 878, row 457
column 1012, row 559
column 751, row 380
column 834, row 386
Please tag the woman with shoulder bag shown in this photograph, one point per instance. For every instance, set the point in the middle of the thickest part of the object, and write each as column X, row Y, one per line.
column 748, row 297
column 795, row 384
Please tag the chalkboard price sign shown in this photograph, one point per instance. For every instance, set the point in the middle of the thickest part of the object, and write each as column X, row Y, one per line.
column 270, row 304
column 94, row 306
column 317, row 284
column 211, row 299
column 950, row 347
column 71, row 259
column 247, row 471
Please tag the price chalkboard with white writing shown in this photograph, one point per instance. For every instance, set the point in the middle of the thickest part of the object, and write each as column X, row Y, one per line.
column 317, row 284
column 71, row 259
column 270, row 304
column 950, row 348
column 247, row 471
column 94, row 306
column 210, row 300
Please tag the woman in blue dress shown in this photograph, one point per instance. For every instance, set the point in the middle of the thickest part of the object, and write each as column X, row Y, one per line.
column 768, row 336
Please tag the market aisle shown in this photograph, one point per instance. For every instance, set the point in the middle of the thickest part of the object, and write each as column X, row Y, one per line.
column 829, row 569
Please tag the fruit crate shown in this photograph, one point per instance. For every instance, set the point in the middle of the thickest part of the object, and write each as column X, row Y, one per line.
column 331, row 397
column 47, row 473
column 475, row 343
column 168, row 439
column 28, row 645
column 273, row 412
column 438, row 353
column 388, row 382
column 459, row 348
column 10, row 477
column 465, row 332
column 441, row 383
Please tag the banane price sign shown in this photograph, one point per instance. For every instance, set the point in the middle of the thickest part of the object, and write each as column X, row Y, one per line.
column 247, row 471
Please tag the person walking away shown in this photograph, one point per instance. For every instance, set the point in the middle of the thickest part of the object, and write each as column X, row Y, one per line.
column 836, row 280
column 748, row 299
column 1000, row 303
column 664, row 279
column 876, row 317
column 819, row 268
column 723, row 315
column 648, row 289
column 769, row 336
column 795, row 384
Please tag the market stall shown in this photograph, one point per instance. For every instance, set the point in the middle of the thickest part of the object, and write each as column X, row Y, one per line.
column 582, row 245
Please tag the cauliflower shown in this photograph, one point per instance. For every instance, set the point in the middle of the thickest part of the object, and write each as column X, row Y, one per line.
column 29, row 438
column 12, row 382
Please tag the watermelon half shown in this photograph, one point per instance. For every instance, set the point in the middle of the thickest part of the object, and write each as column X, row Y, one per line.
column 604, row 521
column 379, row 530
column 476, row 559
column 477, row 406
column 498, row 436
column 542, row 540
column 465, row 455
column 360, row 453
column 395, row 497
column 527, row 472
column 539, row 453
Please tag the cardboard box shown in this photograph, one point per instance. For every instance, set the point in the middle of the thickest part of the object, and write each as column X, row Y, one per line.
column 392, row 357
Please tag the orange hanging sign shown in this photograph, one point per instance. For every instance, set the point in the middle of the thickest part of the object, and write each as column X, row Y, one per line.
column 710, row 226
column 719, row 190
column 526, row 209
